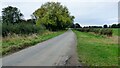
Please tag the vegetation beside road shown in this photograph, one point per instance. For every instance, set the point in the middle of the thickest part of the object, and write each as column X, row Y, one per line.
column 116, row 31
column 18, row 33
column 53, row 16
column 15, row 43
column 100, row 31
column 51, row 20
column 97, row 50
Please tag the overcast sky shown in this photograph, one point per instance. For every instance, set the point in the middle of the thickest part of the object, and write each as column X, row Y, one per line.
column 86, row 12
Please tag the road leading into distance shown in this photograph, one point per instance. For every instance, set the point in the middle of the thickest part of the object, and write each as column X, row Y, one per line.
column 53, row 52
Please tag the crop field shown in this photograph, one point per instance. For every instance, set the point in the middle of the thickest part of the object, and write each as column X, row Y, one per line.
column 97, row 50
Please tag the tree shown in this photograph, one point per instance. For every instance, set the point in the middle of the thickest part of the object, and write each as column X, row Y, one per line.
column 0, row 19
column 53, row 16
column 11, row 15
column 32, row 21
column 118, row 25
column 72, row 25
column 77, row 25
column 105, row 26
column 115, row 25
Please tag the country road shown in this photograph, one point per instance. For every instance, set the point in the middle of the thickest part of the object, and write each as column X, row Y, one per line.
column 58, row 51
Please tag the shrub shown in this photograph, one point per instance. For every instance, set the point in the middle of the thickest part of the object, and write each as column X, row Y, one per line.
column 20, row 28
column 104, row 31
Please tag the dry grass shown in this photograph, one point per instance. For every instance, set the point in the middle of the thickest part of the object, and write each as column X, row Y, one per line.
column 15, row 43
column 108, row 40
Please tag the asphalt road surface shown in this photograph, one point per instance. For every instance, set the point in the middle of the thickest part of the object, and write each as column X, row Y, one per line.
column 58, row 51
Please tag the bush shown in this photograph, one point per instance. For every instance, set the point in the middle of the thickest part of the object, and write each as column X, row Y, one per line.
column 20, row 28
column 104, row 31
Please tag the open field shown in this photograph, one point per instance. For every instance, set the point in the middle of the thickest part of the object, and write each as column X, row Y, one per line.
column 15, row 43
column 96, row 50
column 116, row 31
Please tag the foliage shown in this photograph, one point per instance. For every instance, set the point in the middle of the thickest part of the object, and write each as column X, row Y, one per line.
column 11, row 15
column 53, row 16
column 115, row 25
column 77, row 25
column 92, row 27
column 20, row 28
column 32, row 21
column 107, row 32
column 103, row 31
column 15, row 43
column 105, row 26
column 72, row 25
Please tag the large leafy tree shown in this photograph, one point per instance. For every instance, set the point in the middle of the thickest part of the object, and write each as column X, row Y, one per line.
column 11, row 15
column 53, row 16
column 77, row 25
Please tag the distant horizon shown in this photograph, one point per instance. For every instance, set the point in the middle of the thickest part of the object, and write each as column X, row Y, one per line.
column 79, row 23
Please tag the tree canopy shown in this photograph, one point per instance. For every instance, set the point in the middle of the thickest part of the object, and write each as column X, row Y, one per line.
column 53, row 16
column 11, row 15
column 105, row 26
column 77, row 25
column 115, row 25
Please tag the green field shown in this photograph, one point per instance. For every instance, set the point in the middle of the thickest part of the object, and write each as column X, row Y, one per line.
column 96, row 50
column 15, row 43
column 116, row 31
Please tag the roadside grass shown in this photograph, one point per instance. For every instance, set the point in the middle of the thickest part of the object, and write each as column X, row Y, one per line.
column 96, row 50
column 15, row 43
column 116, row 31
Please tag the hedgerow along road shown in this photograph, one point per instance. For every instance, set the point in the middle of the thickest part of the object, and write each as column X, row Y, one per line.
column 58, row 51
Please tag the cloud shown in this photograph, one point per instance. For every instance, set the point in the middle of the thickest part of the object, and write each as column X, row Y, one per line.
column 91, row 12
column 60, row 0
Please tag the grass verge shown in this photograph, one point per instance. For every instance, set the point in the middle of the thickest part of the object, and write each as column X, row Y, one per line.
column 15, row 43
column 96, row 50
column 116, row 31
